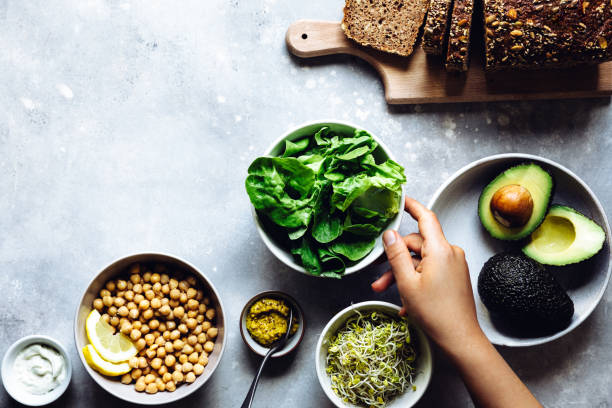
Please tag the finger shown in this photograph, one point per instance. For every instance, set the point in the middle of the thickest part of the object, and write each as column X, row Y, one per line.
column 429, row 226
column 381, row 284
column 398, row 255
column 414, row 242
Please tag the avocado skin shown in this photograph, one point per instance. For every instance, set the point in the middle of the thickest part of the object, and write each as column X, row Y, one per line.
column 521, row 291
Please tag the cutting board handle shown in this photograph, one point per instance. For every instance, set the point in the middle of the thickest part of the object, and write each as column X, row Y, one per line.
column 306, row 38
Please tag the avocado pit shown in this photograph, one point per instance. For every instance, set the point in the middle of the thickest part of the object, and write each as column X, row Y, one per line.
column 512, row 206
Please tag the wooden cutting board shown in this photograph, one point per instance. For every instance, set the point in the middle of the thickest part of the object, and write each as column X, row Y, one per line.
column 422, row 79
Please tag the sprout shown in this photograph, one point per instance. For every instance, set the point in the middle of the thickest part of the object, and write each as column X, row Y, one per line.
column 369, row 360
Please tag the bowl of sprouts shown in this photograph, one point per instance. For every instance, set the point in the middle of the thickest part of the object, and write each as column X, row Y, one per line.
column 370, row 356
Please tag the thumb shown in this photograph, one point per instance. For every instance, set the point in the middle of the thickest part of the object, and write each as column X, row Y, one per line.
column 398, row 256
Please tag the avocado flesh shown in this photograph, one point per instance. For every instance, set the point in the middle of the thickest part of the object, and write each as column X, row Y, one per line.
column 565, row 237
column 523, row 293
column 530, row 176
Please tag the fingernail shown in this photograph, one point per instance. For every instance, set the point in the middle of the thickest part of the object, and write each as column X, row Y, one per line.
column 389, row 238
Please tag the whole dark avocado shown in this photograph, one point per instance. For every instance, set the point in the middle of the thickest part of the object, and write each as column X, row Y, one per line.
column 521, row 291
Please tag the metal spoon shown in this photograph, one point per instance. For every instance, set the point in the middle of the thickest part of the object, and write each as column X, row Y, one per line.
column 274, row 348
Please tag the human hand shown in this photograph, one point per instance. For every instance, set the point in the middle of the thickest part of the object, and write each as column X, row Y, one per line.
column 436, row 291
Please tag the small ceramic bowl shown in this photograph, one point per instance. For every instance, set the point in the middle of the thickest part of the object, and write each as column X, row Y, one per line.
column 456, row 205
column 9, row 380
column 294, row 340
column 112, row 384
column 278, row 246
column 424, row 367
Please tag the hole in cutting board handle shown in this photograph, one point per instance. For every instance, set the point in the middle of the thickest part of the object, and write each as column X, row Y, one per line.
column 304, row 36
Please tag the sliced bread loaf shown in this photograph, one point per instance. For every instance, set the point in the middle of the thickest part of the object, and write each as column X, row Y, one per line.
column 542, row 34
column 387, row 25
column 458, row 51
column 436, row 26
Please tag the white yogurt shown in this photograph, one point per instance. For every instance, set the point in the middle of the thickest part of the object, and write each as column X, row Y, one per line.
column 39, row 369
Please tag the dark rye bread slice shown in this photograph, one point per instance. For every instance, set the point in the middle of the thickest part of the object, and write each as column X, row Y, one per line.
column 458, row 51
column 436, row 26
column 540, row 34
column 387, row 25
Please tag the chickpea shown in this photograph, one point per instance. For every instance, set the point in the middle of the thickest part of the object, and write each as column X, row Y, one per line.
column 104, row 292
column 137, row 288
column 165, row 289
column 200, row 318
column 174, row 303
column 179, row 312
column 160, row 385
column 157, row 288
column 209, row 346
column 206, row 301
column 142, row 362
column 135, row 279
column 197, row 330
column 159, row 340
column 187, row 367
column 203, row 360
column 123, row 311
column 146, row 286
column 187, row 349
column 140, row 384
column 132, row 306
column 198, row 348
column 155, row 278
column 178, row 344
column 183, row 286
column 136, row 373
column 206, row 326
column 192, row 340
column 183, row 359
column 166, row 377
column 137, row 325
column 138, row 298
column 154, row 324
column 173, row 283
column 126, row 328
column 178, row 367
column 192, row 280
column 183, row 328
column 119, row 301
column 175, row 294
column 144, row 304
column 146, row 370
column 193, row 358
column 165, row 310
column 121, row 284
column 198, row 369
column 149, row 294
column 166, row 335
column 126, row 378
column 133, row 362
column 170, row 386
column 156, row 303
column 212, row 332
column 107, row 300
column 199, row 295
column 129, row 295
column 163, row 370
column 106, row 317
column 156, row 363
column 151, row 388
column 146, row 276
column 112, row 311
column 177, row 377
column 190, row 377
column 170, row 360
column 140, row 344
column 98, row 304
column 150, row 339
column 191, row 293
column 175, row 334
column 210, row 314
column 192, row 323
column 135, row 334
column 164, row 278
column 183, row 298
column 202, row 338
column 169, row 347
column 165, row 301
column 202, row 308
column 163, row 327
column 161, row 352
column 151, row 353
column 192, row 314
column 147, row 314
column 144, row 329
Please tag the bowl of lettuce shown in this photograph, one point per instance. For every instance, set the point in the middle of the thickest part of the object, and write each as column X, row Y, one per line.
column 322, row 196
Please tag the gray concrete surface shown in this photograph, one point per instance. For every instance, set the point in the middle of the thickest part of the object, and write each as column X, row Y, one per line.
column 127, row 126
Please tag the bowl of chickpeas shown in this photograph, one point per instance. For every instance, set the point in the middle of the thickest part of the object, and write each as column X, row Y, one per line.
column 171, row 313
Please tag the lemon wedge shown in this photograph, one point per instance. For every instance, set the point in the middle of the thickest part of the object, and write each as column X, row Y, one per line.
column 115, row 348
column 102, row 366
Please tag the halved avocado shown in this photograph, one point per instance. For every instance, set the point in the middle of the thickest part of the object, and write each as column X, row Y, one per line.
column 514, row 204
column 565, row 237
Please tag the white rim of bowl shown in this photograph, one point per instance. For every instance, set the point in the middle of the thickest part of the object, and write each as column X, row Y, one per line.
column 268, row 242
column 201, row 275
column 527, row 156
column 44, row 340
column 364, row 305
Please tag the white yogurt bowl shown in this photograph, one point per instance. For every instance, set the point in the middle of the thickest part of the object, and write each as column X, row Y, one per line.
column 10, row 381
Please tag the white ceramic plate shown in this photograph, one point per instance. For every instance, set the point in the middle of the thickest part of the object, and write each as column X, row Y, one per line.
column 456, row 204
column 278, row 248
column 424, row 359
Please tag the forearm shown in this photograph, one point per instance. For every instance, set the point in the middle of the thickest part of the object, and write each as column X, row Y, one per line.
column 488, row 378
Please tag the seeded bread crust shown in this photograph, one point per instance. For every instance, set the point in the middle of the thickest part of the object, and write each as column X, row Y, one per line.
column 458, row 51
column 532, row 34
column 387, row 25
column 436, row 26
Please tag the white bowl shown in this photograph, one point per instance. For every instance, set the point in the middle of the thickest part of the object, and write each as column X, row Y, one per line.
column 277, row 148
column 424, row 355
column 456, row 205
column 9, row 381
column 112, row 384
